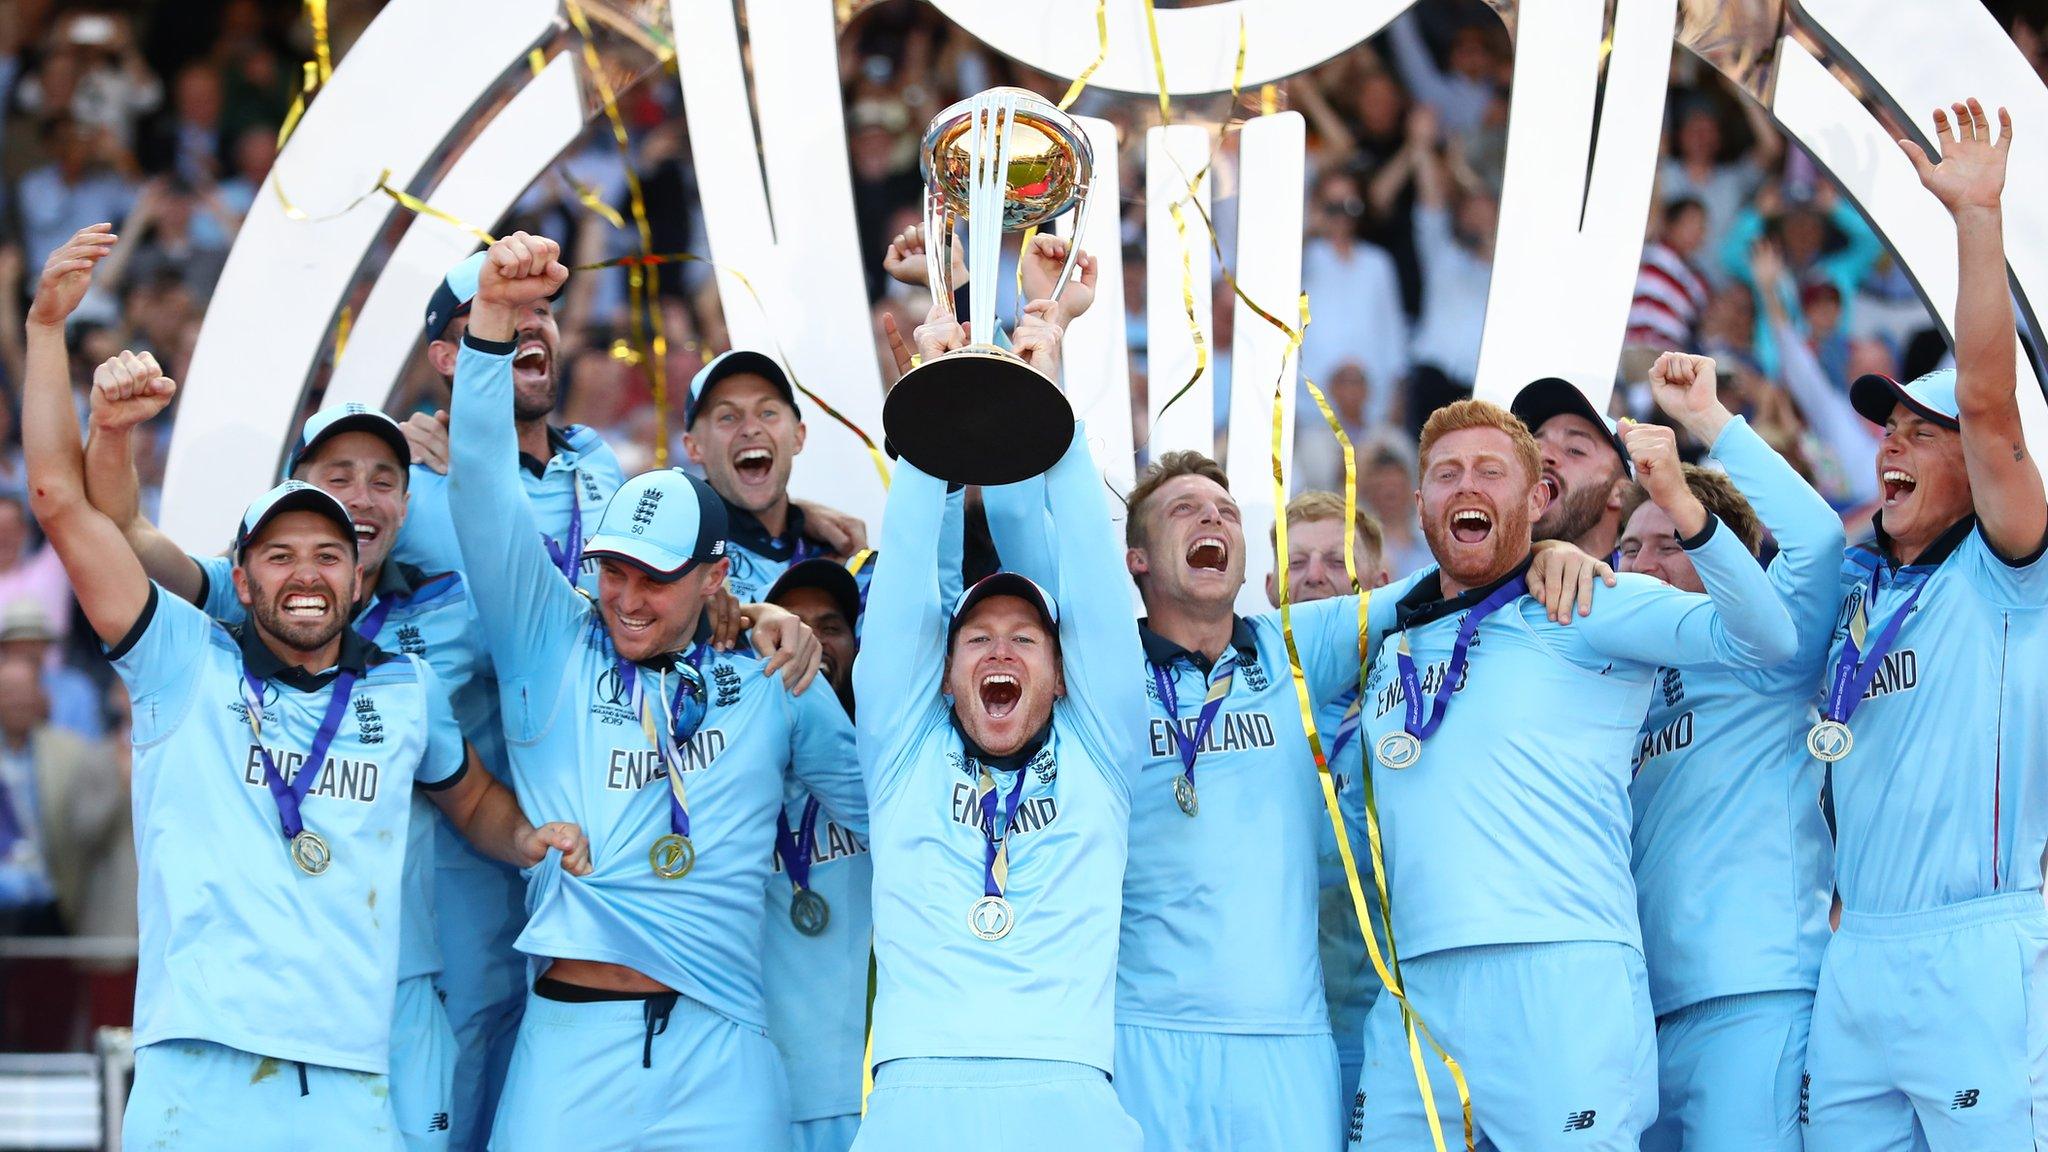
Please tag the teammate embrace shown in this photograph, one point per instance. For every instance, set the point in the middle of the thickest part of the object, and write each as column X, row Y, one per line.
column 1089, row 851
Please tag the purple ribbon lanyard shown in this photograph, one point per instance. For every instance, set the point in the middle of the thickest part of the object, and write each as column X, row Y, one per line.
column 1856, row 669
column 1188, row 746
column 570, row 559
column 666, row 744
column 290, row 796
column 1347, row 728
column 989, row 887
column 795, row 847
column 1415, row 723
column 372, row 622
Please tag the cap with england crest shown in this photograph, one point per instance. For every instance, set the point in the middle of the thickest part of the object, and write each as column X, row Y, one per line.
column 663, row 522
column 733, row 363
column 337, row 419
column 1931, row 397
column 292, row 496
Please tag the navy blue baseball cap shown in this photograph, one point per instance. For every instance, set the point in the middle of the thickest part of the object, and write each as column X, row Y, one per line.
column 330, row 422
column 664, row 522
column 452, row 296
column 733, row 363
column 1006, row 584
column 827, row 576
column 1556, row 396
column 1932, row 398
column 292, row 496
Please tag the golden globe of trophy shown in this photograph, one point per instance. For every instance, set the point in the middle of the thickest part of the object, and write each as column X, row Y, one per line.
column 999, row 161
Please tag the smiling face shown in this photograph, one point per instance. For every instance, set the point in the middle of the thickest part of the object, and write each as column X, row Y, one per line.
column 1477, row 502
column 1003, row 673
column 1649, row 547
column 647, row 617
column 1191, row 543
column 536, row 384
column 359, row 470
column 1920, row 473
column 746, row 438
column 1580, row 470
column 299, row 581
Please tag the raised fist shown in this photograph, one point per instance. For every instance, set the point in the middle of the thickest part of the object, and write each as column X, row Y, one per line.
column 129, row 389
column 519, row 270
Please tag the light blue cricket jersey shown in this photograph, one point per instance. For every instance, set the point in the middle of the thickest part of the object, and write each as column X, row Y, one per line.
column 578, row 751
column 1731, row 853
column 1513, row 827
column 818, row 985
column 1196, row 888
column 237, row 946
column 756, row 560
column 429, row 617
column 1944, row 794
column 1350, row 983
column 1044, row 991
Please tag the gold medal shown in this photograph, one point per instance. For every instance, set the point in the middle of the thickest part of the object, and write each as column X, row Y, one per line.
column 672, row 856
column 1184, row 795
column 1398, row 750
column 311, row 853
column 809, row 912
column 991, row 918
column 1829, row 740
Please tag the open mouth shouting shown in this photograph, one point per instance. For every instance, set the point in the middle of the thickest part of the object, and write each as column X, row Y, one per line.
column 1000, row 692
column 1471, row 525
column 1552, row 485
column 1209, row 553
column 367, row 532
column 531, row 362
column 753, row 464
column 1898, row 484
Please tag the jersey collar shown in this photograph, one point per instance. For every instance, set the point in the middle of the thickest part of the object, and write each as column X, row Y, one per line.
column 1014, row 760
column 357, row 655
column 667, row 661
column 557, row 440
column 1425, row 601
column 745, row 530
column 1944, row 545
column 1163, row 652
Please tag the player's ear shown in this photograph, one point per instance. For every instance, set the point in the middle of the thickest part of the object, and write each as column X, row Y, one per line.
column 1273, row 589
column 243, row 593
column 441, row 354
column 1136, row 562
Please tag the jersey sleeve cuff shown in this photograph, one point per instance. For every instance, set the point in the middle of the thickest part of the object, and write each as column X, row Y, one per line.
column 490, row 347
column 2017, row 562
column 1696, row 542
column 446, row 782
column 134, row 635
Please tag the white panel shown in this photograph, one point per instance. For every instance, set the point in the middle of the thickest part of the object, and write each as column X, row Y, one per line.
column 1269, row 208
column 1856, row 150
column 1097, row 351
column 1281, row 37
column 805, row 265
column 508, row 155
column 403, row 88
column 1565, row 263
column 1173, row 155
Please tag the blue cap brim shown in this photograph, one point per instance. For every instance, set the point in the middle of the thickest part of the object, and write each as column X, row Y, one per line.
column 1875, row 395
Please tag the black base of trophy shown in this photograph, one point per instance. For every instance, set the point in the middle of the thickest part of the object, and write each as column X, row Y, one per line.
column 978, row 415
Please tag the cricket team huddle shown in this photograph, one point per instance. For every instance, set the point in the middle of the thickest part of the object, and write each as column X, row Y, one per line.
column 486, row 797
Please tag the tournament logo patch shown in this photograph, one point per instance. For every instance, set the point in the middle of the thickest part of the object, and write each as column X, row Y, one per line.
column 611, row 699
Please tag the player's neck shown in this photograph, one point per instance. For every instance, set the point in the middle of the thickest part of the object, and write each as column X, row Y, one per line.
column 533, row 439
column 775, row 517
column 1197, row 627
column 1452, row 587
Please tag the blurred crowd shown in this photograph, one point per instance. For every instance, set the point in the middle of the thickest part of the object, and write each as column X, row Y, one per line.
column 165, row 118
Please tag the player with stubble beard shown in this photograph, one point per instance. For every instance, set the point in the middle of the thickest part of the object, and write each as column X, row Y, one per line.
column 1585, row 466
column 1505, row 820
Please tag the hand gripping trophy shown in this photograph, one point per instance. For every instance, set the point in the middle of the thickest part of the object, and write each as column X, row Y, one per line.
column 999, row 161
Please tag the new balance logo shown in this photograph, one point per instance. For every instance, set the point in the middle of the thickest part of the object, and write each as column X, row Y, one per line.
column 1357, row 1117
column 439, row 1123
column 1967, row 1098
column 1579, row 1121
column 1805, row 1096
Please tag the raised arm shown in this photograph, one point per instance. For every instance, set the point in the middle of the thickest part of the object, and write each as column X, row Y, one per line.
column 127, row 392
column 520, row 595
column 1740, row 623
column 822, row 756
column 896, row 678
column 1809, row 534
column 1099, row 648
column 105, row 576
column 2005, row 484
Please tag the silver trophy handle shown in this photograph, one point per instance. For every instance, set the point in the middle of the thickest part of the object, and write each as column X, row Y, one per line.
column 988, row 187
column 938, row 248
column 1073, row 242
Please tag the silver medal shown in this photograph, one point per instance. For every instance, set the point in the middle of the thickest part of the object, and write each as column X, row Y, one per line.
column 1829, row 740
column 808, row 912
column 311, row 853
column 991, row 918
column 1184, row 795
column 1397, row 750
